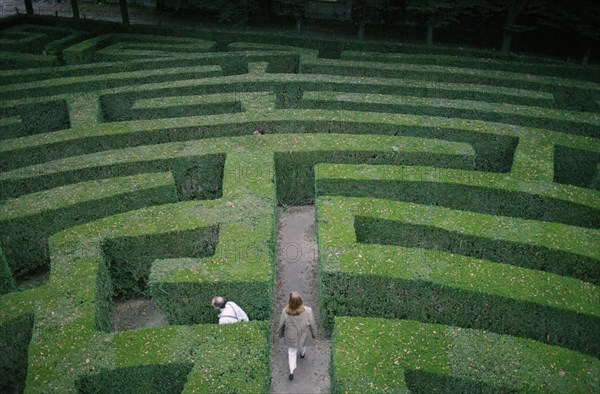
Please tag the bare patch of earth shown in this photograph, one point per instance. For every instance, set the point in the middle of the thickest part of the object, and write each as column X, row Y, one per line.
column 137, row 313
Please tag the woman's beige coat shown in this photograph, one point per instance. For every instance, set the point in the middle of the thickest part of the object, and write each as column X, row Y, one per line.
column 297, row 331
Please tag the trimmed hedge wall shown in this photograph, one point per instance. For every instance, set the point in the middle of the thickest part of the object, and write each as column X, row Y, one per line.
column 161, row 156
column 168, row 378
column 441, row 287
column 230, row 63
column 378, row 355
column 389, row 232
column 35, row 118
column 568, row 94
column 563, row 121
column 7, row 282
column 576, row 167
column 27, row 222
column 196, row 177
column 494, row 201
column 105, row 81
column 91, row 50
column 15, row 336
column 563, row 70
column 296, row 179
column 129, row 258
column 19, row 60
column 495, row 149
column 291, row 87
column 242, row 349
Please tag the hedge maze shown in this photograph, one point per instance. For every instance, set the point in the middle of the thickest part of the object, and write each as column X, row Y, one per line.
column 457, row 196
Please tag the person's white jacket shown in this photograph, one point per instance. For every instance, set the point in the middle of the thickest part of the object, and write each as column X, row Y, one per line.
column 232, row 313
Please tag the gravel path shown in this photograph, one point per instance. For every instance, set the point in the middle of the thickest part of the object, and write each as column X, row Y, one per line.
column 297, row 270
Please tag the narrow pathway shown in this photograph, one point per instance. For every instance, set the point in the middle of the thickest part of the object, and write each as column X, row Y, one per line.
column 297, row 270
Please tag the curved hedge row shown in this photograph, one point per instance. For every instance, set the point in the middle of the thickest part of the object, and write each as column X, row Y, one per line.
column 452, row 186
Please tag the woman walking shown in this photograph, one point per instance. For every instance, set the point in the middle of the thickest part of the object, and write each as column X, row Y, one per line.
column 296, row 327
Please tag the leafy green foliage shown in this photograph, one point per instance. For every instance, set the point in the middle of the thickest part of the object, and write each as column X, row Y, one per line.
column 7, row 282
column 15, row 336
column 378, row 355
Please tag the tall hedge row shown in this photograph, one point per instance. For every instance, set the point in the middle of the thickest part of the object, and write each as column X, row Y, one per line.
column 27, row 222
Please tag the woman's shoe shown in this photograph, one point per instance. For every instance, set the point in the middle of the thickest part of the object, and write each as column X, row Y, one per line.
column 302, row 355
column 291, row 377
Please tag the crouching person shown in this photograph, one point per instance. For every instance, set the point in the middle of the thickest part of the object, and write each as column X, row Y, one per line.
column 230, row 312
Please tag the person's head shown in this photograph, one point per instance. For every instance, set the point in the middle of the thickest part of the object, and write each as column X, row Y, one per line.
column 295, row 304
column 218, row 302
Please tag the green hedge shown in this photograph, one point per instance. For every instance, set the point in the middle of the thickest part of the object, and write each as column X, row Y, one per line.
column 378, row 355
column 36, row 118
column 230, row 63
column 568, row 94
column 577, row 167
column 173, row 107
column 19, row 41
column 328, row 47
column 389, row 232
column 67, row 170
column 300, row 53
column 129, row 258
column 111, row 136
column 7, row 282
column 496, row 194
column 562, row 70
column 96, row 82
column 15, row 335
column 494, row 201
column 18, row 60
column 290, row 87
column 90, row 50
column 28, row 221
column 80, row 290
column 549, row 119
column 196, row 177
column 444, row 287
column 38, row 39
column 173, row 251
column 168, row 378
column 296, row 178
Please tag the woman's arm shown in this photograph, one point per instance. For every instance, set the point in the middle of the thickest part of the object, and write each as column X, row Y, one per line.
column 281, row 326
column 311, row 323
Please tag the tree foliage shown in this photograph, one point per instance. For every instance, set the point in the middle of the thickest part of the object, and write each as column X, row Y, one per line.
column 368, row 12
column 293, row 8
column 580, row 18
column 230, row 11
column 439, row 13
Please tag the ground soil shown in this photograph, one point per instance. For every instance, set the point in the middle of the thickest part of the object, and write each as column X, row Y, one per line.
column 137, row 313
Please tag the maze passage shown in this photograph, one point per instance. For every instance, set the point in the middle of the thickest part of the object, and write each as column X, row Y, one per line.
column 456, row 196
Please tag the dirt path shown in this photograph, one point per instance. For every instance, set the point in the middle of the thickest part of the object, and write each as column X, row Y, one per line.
column 297, row 270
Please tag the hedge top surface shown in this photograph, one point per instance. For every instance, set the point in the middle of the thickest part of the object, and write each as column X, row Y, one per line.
column 373, row 355
column 498, row 181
